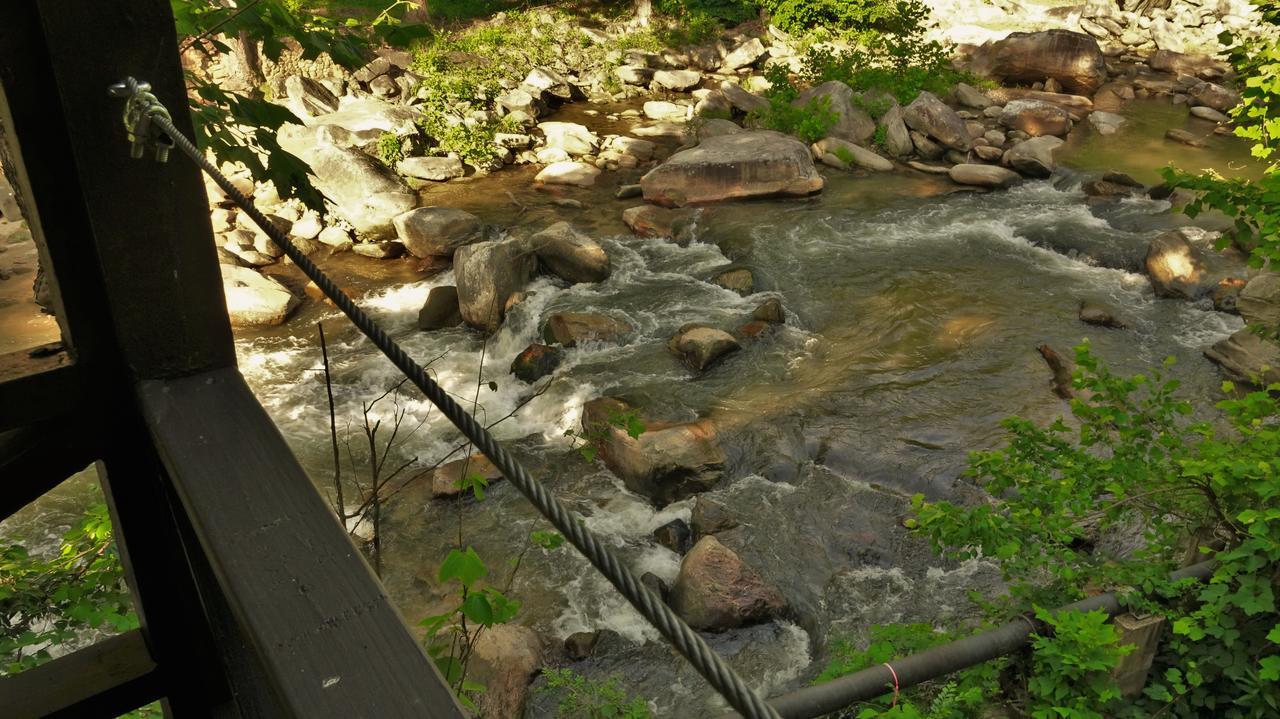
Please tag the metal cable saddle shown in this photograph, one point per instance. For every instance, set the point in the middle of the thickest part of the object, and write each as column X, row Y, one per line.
column 139, row 109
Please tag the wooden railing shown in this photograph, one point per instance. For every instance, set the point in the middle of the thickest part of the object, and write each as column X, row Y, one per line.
column 252, row 600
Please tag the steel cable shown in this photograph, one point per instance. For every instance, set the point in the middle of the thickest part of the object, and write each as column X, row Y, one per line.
column 720, row 675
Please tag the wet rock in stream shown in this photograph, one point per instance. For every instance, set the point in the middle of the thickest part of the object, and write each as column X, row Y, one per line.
column 716, row 590
column 667, row 462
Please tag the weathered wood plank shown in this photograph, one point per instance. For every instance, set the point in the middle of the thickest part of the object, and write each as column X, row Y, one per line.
column 37, row 458
column 38, row 384
column 150, row 220
column 105, row 679
column 322, row 625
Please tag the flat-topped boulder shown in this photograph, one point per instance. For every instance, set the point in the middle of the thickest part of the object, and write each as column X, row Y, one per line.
column 368, row 118
column 254, row 300
column 744, row 165
column 569, row 329
column 983, row 175
column 436, row 231
column 1072, row 59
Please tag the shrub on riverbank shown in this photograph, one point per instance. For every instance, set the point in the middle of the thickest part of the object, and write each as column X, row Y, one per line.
column 1132, row 463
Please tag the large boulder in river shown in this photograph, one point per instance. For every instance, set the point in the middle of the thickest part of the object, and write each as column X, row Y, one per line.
column 507, row 658
column 1248, row 358
column 654, row 221
column 1036, row 118
column 436, row 231
column 1034, row 157
column 897, row 138
column 930, row 116
column 1259, row 301
column 1073, row 59
column 1215, row 96
column 488, row 273
column 363, row 191
column 1178, row 269
column 254, row 300
column 666, row 462
column 744, row 165
column 570, row 255
column 716, row 590
column 852, row 122
column 368, row 119
column 982, row 175
column 571, row 137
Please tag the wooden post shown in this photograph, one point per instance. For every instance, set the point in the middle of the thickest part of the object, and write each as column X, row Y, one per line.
column 1144, row 634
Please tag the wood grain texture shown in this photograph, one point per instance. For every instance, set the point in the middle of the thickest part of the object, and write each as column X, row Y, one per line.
column 320, row 622
column 106, row 679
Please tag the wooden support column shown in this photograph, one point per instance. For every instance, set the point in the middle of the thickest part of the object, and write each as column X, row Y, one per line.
column 1144, row 634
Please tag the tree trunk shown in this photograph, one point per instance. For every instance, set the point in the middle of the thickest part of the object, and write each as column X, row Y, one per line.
column 644, row 11
column 250, row 61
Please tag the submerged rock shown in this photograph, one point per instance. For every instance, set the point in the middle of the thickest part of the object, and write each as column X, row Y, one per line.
column 770, row 311
column 536, row 361
column 739, row 280
column 446, row 480
column 1093, row 313
column 700, row 347
column 654, row 221
column 666, row 462
column 716, row 590
column 570, row 328
column 743, row 165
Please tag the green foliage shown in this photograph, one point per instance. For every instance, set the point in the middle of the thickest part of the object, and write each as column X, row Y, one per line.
column 591, row 440
column 800, row 16
column 844, row 154
column 880, row 137
column 1137, row 462
column 698, row 21
column 391, row 149
column 809, row 122
column 451, row 636
column 240, row 128
column 44, row 602
column 1254, row 206
column 1071, row 666
column 962, row 696
column 583, row 698
column 881, row 64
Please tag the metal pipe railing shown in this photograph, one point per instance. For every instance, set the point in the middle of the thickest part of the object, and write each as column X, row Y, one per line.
column 941, row 660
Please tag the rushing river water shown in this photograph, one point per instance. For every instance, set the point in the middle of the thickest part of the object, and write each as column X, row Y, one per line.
column 913, row 317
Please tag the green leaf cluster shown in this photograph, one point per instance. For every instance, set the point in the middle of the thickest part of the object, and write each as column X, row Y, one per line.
column 583, row 698
column 46, row 602
column 1135, row 462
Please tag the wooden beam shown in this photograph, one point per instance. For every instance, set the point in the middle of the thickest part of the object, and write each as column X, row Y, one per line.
column 322, row 625
column 106, row 679
column 149, row 220
column 38, row 384
column 37, row 458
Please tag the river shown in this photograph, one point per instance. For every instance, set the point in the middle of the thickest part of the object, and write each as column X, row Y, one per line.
column 913, row 316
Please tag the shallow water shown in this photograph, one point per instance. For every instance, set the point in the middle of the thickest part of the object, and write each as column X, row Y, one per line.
column 913, row 318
